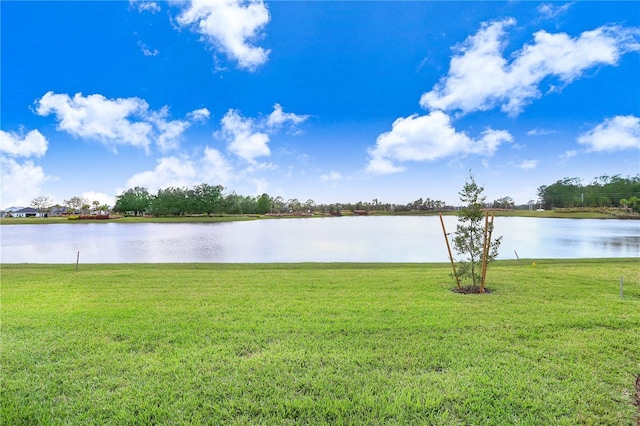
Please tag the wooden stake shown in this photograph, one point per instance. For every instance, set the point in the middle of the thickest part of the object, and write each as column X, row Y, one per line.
column 77, row 260
column 446, row 240
column 484, row 250
column 487, row 245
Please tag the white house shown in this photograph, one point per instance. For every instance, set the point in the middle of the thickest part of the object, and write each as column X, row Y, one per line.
column 26, row 212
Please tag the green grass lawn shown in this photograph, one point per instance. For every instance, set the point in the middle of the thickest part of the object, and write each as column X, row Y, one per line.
column 319, row 344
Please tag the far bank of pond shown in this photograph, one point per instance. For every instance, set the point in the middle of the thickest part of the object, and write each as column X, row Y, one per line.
column 550, row 214
column 395, row 239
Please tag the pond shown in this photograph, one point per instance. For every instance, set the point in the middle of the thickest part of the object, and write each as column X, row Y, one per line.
column 344, row 239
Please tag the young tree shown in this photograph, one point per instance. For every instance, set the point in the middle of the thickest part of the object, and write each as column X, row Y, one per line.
column 470, row 234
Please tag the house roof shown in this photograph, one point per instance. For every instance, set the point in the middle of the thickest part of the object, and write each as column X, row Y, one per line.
column 27, row 210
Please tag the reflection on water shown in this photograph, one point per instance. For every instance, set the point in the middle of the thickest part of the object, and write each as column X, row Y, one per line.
column 345, row 239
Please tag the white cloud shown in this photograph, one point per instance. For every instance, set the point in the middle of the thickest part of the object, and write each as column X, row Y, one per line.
column 169, row 131
column 278, row 118
column 261, row 167
column 614, row 134
column 248, row 138
column 201, row 114
column 95, row 117
column 244, row 139
column 145, row 50
column 568, row 154
column 100, row 197
column 331, row 176
column 427, row 138
column 229, row 26
column 480, row 78
column 170, row 171
column 115, row 122
column 184, row 171
column 540, row 132
column 214, row 167
column 20, row 145
column 145, row 6
column 528, row 164
column 21, row 182
column 550, row 10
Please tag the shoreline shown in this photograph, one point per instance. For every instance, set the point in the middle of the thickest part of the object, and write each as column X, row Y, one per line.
column 551, row 214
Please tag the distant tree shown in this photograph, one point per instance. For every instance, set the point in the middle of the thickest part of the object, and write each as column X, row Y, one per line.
column 205, row 198
column 41, row 203
column 75, row 203
column 170, row 201
column 263, row 204
column 504, row 203
column 632, row 203
column 232, row 204
column 278, row 204
column 294, row 205
column 470, row 234
column 310, row 205
column 136, row 200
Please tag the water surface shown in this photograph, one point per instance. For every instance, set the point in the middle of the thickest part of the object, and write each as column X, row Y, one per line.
column 342, row 239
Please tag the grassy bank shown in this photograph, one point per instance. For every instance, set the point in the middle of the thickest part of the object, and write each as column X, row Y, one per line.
column 319, row 344
column 129, row 219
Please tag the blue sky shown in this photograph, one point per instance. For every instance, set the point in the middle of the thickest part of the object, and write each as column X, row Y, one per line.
column 338, row 101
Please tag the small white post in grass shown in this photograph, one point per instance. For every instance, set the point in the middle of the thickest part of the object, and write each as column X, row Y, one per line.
column 621, row 284
column 77, row 260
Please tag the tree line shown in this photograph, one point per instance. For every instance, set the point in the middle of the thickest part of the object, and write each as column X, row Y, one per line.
column 603, row 191
column 208, row 199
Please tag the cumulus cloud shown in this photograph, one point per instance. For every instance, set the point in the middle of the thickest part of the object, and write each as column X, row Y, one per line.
column 480, row 78
column 170, row 171
column 427, row 138
column 114, row 122
column 100, row 197
column 201, row 115
column 21, row 182
column 248, row 138
column 169, row 132
column 21, row 145
column 229, row 26
column 184, row 171
column 619, row 133
column 244, row 140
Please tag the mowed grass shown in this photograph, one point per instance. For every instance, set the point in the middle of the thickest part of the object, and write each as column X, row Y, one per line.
column 319, row 344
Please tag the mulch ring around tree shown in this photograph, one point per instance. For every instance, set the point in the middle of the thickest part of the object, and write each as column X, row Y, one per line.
column 470, row 290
